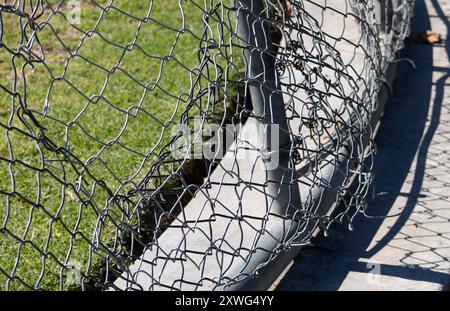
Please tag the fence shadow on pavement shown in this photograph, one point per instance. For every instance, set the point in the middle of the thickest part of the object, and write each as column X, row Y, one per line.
column 404, row 145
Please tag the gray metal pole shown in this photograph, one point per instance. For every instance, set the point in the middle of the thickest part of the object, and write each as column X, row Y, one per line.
column 267, row 99
column 383, row 13
column 269, row 109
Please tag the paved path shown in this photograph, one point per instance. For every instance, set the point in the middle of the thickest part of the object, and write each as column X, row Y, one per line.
column 410, row 250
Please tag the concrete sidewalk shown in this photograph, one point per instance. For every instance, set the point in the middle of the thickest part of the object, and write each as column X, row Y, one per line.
column 410, row 249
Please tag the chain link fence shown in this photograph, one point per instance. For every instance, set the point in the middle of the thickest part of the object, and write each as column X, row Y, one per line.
column 183, row 144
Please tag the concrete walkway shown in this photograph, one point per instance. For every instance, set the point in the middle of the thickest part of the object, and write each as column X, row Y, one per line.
column 410, row 249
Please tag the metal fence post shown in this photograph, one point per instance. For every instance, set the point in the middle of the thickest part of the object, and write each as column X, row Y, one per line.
column 385, row 10
column 267, row 99
column 383, row 13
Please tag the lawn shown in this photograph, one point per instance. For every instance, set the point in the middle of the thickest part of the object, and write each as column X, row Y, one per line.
column 106, row 93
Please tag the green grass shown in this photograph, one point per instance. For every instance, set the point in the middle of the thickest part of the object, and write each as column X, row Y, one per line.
column 114, row 129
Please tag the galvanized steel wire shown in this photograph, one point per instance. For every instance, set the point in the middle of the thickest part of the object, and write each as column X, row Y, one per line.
column 70, row 218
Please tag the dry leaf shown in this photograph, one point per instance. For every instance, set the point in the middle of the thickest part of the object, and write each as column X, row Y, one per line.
column 429, row 37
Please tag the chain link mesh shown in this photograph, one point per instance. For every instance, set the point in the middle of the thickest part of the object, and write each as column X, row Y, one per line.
column 92, row 93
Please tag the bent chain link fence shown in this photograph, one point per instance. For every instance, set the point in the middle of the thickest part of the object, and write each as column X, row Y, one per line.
column 182, row 144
